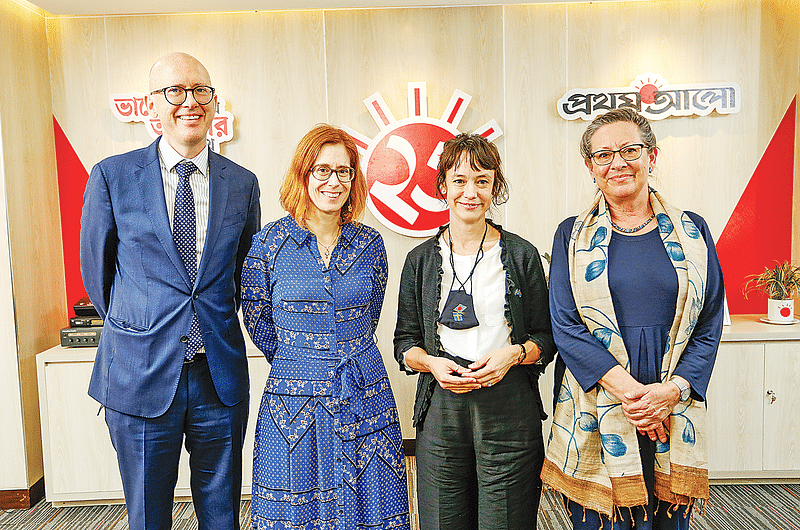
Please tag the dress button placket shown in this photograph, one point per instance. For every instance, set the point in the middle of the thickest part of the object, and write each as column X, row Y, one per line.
column 337, row 414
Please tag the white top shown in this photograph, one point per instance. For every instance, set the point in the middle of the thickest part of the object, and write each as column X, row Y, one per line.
column 488, row 296
column 198, row 181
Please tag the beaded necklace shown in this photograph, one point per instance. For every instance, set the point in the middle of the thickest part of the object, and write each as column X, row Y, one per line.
column 632, row 230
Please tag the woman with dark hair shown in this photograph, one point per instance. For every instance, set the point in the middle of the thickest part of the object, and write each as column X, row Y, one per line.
column 473, row 320
column 636, row 299
column 328, row 448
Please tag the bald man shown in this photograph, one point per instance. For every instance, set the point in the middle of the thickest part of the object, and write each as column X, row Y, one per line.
column 164, row 233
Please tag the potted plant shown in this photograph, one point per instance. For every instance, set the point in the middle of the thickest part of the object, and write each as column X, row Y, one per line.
column 780, row 283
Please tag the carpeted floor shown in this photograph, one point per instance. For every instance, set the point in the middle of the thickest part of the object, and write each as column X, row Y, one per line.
column 739, row 507
column 730, row 507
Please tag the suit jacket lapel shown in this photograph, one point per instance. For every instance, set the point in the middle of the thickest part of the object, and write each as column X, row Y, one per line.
column 217, row 200
column 151, row 185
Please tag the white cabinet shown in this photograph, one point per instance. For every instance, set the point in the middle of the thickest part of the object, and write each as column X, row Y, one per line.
column 735, row 419
column 782, row 401
column 750, row 436
column 752, row 399
column 80, row 465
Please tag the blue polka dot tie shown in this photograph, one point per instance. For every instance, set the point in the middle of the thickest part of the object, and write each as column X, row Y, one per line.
column 184, row 232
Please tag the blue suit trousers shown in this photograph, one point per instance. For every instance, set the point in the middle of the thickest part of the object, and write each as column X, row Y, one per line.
column 148, row 451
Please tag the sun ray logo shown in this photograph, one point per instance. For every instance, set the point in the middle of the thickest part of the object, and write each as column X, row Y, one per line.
column 400, row 162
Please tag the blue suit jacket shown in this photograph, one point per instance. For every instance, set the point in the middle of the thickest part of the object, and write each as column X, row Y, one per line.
column 138, row 283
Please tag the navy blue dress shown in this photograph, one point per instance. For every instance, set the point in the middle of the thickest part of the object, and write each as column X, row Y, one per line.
column 644, row 289
column 328, row 447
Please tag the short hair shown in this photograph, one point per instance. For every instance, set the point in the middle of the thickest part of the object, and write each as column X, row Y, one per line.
column 294, row 189
column 483, row 155
column 626, row 114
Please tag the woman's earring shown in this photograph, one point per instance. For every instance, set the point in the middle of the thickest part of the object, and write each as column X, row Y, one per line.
column 651, row 170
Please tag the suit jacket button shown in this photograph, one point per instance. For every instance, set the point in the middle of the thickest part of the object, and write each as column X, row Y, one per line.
column 184, row 339
column 196, row 296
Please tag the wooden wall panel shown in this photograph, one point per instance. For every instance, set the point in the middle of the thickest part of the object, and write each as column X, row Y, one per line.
column 267, row 66
column 279, row 85
column 12, row 438
column 780, row 68
column 79, row 84
column 537, row 147
column 31, row 221
column 704, row 162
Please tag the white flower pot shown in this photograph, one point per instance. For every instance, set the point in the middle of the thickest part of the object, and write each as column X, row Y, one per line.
column 780, row 310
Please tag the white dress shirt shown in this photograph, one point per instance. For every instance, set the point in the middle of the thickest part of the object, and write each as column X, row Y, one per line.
column 198, row 181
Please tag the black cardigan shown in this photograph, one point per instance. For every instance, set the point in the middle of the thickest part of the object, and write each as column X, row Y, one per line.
column 526, row 308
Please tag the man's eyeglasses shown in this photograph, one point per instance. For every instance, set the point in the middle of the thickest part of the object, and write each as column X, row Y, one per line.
column 176, row 95
column 628, row 153
column 323, row 173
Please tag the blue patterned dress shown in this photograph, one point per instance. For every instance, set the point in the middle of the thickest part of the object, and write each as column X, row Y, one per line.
column 328, row 447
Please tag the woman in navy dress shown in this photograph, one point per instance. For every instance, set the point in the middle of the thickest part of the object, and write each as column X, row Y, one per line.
column 328, row 447
column 636, row 300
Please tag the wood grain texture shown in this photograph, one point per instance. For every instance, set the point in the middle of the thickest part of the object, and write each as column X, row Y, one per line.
column 269, row 67
column 734, row 423
column 780, row 53
column 781, row 429
column 79, row 83
column 704, row 162
column 537, row 149
column 75, row 424
column 22, row 499
column 282, row 72
column 382, row 51
column 31, row 222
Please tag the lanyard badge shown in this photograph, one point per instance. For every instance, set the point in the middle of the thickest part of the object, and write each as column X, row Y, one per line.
column 459, row 309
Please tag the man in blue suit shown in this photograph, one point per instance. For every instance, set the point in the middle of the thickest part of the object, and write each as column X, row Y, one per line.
column 162, row 247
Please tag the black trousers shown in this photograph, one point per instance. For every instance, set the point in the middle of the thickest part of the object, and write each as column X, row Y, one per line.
column 479, row 457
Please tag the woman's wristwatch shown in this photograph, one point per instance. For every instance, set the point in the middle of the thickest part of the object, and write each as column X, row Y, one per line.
column 684, row 389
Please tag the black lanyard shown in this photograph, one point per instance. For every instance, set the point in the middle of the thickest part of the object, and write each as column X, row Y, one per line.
column 459, row 308
column 478, row 258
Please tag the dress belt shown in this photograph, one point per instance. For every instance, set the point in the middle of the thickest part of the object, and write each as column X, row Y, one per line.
column 352, row 383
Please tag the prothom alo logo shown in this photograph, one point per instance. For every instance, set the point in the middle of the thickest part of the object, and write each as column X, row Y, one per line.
column 400, row 162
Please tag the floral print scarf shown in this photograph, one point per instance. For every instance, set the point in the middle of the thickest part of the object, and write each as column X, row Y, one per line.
column 592, row 455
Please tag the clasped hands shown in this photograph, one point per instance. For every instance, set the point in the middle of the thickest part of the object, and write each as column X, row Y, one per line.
column 648, row 407
column 486, row 371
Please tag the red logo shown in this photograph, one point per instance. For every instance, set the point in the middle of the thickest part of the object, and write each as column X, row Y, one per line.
column 400, row 162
